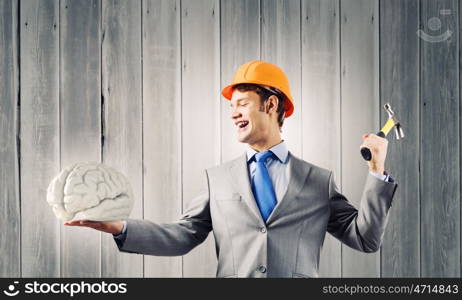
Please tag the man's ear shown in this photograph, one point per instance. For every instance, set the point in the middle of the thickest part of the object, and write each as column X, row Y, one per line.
column 273, row 102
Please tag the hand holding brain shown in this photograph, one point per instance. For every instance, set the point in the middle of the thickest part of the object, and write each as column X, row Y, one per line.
column 90, row 191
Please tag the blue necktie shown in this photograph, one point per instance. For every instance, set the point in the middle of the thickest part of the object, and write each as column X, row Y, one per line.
column 262, row 186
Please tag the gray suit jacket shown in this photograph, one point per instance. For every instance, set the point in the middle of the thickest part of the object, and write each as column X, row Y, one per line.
column 290, row 242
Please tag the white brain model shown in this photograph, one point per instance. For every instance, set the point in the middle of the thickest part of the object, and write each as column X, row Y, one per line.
column 90, row 191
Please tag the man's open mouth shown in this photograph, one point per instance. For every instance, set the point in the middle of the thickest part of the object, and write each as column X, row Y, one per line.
column 242, row 125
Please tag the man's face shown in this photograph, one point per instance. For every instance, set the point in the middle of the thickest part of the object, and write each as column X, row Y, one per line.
column 250, row 122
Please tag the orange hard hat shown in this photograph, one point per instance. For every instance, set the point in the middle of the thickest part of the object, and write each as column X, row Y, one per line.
column 262, row 73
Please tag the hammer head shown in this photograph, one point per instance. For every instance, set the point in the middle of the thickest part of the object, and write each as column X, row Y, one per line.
column 399, row 133
column 387, row 108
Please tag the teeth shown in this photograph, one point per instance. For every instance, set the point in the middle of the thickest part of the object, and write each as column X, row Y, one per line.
column 242, row 124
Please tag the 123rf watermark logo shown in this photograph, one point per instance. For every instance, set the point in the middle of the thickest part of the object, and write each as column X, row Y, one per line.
column 70, row 289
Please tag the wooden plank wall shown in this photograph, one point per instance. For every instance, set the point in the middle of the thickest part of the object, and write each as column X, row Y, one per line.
column 81, row 123
column 359, row 111
column 162, row 80
column 200, row 48
column 321, row 103
column 281, row 44
column 122, row 108
column 136, row 85
column 440, row 174
column 40, row 154
column 399, row 78
column 10, row 216
column 240, row 43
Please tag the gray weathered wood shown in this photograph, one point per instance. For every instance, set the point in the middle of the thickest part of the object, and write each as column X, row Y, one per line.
column 321, row 103
column 240, row 43
column 162, row 123
column 440, row 145
column 80, row 99
column 399, row 85
column 40, row 234
column 10, row 220
column 460, row 131
column 122, row 117
column 280, row 45
column 359, row 112
column 200, row 113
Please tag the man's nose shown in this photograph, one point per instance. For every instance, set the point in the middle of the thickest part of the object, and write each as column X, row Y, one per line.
column 235, row 114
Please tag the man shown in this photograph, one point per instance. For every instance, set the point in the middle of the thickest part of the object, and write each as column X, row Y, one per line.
column 269, row 210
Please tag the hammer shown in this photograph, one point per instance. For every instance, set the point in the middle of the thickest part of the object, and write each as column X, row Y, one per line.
column 391, row 123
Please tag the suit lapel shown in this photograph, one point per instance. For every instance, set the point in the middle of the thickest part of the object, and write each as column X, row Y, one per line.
column 240, row 177
column 298, row 172
column 297, row 176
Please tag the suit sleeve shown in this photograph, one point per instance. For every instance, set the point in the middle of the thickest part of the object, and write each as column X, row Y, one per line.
column 173, row 239
column 361, row 229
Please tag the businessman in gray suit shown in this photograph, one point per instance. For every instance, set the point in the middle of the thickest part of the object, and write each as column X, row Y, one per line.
column 269, row 210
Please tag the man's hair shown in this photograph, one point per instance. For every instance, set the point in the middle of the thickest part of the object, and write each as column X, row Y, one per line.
column 265, row 92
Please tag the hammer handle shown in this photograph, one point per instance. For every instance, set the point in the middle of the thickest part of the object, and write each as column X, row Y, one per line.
column 365, row 152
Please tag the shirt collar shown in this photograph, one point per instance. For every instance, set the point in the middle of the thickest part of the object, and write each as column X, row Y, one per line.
column 280, row 150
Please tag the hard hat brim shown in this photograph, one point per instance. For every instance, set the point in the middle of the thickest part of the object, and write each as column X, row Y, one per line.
column 227, row 92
